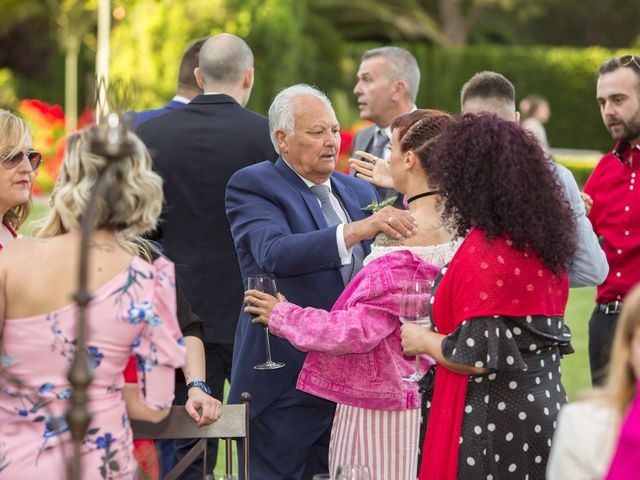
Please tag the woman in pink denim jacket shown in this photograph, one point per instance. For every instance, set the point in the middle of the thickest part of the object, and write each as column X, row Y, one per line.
column 355, row 355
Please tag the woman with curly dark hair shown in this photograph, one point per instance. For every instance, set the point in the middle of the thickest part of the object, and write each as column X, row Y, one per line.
column 499, row 308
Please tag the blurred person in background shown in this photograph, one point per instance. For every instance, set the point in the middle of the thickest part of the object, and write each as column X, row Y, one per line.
column 588, row 428
column 387, row 87
column 534, row 113
column 187, row 89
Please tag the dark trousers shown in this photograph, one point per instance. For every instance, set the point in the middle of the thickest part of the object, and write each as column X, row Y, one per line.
column 290, row 439
column 218, row 369
column 601, row 330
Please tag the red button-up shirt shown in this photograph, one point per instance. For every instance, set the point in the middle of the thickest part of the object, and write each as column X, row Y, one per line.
column 614, row 187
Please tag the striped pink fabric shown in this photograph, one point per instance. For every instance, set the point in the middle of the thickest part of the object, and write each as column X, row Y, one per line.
column 384, row 440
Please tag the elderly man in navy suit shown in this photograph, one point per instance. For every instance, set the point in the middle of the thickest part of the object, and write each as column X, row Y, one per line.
column 301, row 221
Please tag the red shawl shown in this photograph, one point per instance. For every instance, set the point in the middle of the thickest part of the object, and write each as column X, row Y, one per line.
column 485, row 277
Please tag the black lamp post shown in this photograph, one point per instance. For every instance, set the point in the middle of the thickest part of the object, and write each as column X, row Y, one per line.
column 110, row 140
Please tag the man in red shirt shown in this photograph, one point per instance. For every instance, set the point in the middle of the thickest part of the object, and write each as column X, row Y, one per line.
column 612, row 197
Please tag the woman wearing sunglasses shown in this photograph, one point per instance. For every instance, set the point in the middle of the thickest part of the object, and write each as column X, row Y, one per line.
column 19, row 163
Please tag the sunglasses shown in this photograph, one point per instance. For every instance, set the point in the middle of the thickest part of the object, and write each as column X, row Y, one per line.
column 629, row 61
column 13, row 161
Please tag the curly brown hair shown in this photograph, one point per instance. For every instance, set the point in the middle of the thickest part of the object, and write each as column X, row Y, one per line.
column 495, row 177
column 418, row 130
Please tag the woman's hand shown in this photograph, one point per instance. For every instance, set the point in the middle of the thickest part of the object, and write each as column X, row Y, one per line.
column 260, row 305
column 415, row 339
column 372, row 169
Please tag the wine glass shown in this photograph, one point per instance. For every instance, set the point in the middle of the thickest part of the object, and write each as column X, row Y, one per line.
column 414, row 305
column 267, row 284
column 353, row 472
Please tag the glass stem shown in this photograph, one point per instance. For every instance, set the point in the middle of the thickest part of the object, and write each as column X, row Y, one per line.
column 266, row 342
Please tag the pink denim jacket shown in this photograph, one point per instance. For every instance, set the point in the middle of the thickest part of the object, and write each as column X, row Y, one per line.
column 355, row 354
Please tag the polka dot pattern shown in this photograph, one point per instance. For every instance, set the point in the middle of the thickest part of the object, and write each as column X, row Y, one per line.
column 510, row 414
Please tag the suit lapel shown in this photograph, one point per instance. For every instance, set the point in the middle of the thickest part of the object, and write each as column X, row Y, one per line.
column 367, row 139
column 307, row 195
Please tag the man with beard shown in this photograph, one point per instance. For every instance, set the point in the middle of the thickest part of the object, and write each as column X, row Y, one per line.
column 612, row 199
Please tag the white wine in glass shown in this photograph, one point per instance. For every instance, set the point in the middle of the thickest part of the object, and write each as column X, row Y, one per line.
column 414, row 308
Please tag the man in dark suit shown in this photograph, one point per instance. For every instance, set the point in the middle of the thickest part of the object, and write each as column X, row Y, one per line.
column 302, row 222
column 196, row 149
column 187, row 86
column 387, row 87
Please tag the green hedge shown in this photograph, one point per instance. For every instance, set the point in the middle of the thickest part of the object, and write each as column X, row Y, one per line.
column 565, row 76
column 581, row 167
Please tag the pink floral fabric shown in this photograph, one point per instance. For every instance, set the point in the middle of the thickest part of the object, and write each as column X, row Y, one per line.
column 133, row 313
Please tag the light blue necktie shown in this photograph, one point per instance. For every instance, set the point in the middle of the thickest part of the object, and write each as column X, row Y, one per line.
column 357, row 252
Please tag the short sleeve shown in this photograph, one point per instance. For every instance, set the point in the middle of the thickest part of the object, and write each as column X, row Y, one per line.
column 484, row 342
column 160, row 348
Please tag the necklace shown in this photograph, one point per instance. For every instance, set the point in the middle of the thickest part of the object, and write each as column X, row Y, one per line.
column 425, row 194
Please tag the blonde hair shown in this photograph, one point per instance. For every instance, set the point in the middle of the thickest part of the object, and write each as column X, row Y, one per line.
column 620, row 385
column 14, row 133
column 134, row 189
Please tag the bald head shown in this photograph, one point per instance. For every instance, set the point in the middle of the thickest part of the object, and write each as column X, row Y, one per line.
column 224, row 60
column 489, row 92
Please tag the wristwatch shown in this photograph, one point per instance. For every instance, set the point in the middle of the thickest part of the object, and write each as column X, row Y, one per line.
column 201, row 385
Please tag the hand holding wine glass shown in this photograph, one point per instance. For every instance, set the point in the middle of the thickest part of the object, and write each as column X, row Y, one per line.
column 263, row 288
column 414, row 308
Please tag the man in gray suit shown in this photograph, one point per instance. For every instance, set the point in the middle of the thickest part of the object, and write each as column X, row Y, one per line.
column 387, row 87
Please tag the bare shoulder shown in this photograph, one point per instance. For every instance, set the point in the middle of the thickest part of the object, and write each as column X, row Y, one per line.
column 24, row 252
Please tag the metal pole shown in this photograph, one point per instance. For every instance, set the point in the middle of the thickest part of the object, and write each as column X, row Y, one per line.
column 110, row 141
column 102, row 56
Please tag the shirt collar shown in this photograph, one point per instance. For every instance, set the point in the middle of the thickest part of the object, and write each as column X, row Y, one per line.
column 621, row 149
column 308, row 183
column 387, row 130
column 180, row 99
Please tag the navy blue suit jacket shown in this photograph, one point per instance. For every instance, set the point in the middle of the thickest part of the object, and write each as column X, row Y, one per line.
column 196, row 149
column 278, row 227
column 144, row 115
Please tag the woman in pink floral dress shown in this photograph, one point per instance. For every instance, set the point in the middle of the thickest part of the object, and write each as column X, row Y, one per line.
column 132, row 312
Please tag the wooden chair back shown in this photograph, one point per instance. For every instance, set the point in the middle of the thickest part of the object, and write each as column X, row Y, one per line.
column 233, row 424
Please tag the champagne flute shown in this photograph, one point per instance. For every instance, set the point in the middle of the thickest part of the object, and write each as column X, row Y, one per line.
column 267, row 284
column 414, row 308
column 353, row 472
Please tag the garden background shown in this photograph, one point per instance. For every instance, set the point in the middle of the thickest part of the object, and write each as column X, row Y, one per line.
column 547, row 47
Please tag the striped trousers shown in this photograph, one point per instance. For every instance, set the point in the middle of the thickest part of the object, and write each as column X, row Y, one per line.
column 384, row 440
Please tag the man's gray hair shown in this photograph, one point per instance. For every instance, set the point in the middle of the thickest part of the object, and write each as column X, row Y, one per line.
column 223, row 60
column 280, row 114
column 402, row 65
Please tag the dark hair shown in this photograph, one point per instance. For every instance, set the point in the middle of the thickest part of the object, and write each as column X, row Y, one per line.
column 188, row 63
column 530, row 105
column 488, row 85
column 614, row 63
column 418, row 130
column 496, row 177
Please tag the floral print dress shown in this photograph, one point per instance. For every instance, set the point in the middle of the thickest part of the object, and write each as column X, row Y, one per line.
column 133, row 313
